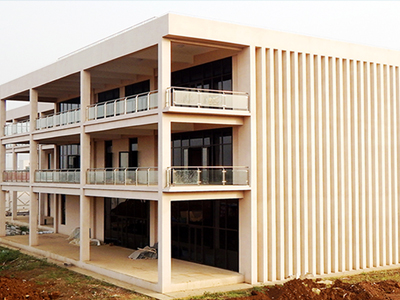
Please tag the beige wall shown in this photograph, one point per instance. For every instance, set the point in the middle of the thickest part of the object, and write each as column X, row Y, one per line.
column 332, row 163
column 72, row 215
column 99, row 219
column 147, row 147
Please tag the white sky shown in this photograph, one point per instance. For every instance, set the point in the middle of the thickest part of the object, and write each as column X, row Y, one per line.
column 36, row 33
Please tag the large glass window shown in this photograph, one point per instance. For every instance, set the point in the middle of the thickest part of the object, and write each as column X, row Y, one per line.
column 202, row 148
column 126, row 222
column 206, row 232
column 69, row 104
column 216, row 75
column 137, row 88
column 69, row 156
column 108, row 95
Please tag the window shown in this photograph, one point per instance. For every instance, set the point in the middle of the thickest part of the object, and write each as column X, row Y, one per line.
column 137, row 88
column 216, row 75
column 63, row 210
column 69, row 104
column 202, row 148
column 69, row 156
column 108, row 95
column 108, row 154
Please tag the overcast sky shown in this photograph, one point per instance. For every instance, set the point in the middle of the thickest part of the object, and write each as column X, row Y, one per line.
column 36, row 33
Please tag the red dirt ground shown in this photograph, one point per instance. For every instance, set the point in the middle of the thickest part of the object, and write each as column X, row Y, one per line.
column 15, row 289
column 309, row 289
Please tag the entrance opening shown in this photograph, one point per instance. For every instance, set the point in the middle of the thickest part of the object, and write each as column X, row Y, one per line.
column 126, row 222
column 206, row 232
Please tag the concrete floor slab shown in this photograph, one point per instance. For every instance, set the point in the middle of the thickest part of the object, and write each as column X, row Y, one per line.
column 113, row 261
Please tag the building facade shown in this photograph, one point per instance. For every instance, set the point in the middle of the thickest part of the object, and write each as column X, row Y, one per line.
column 264, row 153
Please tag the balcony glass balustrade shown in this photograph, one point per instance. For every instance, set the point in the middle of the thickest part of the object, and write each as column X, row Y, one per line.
column 208, row 99
column 58, row 176
column 122, row 106
column 16, row 176
column 207, row 176
column 123, row 176
column 59, row 119
column 17, row 128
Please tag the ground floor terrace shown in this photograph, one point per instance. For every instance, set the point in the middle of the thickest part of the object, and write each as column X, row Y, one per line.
column 113, row 262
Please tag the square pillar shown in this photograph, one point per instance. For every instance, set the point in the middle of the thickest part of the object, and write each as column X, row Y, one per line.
column 85, row 202
column 84, row 253
column 246, row 155
column 164, row 161
column 34, row 163
column 14, row 204
column 2, row 168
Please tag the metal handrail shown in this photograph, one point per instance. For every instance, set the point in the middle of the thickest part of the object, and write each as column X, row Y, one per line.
column 114, row 104
column 126, row 179
column 196, row 179
column 54, row 179
column 24, row 127
column 52, row 116
column 12, row 176
column 170, row 101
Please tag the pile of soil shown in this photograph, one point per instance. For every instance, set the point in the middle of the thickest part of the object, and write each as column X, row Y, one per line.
column 309, row 289
column 15, row 289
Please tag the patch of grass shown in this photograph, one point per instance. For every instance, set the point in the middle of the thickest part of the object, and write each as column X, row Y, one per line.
column 7, row 255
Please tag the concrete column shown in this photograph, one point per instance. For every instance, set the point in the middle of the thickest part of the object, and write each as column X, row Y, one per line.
column 247, row 156
column 262, row 166
column 34, row 160
column 14, row 194
column 85, row 214
column 164, row 161
column 153, row 223
column 84, row 254
column 2, row 168
column 55, row 213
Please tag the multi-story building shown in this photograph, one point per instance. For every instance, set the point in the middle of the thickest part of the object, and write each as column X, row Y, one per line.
column 242, row 152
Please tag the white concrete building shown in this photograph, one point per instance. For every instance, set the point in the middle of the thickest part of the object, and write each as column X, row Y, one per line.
column 262, row 154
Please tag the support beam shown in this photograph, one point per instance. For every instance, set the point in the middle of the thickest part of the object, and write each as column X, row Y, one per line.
column 85, row 215
column 164, row 161
column 2, row 168
column 34, row 160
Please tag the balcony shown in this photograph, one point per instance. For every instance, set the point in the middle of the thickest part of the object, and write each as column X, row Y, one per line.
column 58, row 176
column 16, row 176
column 123, row 106
column 235, row 176
column 59, row 119
column 17, row 128
column 123, row 176
column 207, row 99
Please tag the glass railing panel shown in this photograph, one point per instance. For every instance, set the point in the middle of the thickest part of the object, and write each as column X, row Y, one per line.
column 123, row 176
column 130, row 176
column 120, row 107
column 57, row 121
column 142, row 177
column 214, row 99
column 100, row 111
column 208, row 176
column 142, row 103
column 185, row 176
column 237, row 102
column 153, row 177
column 16, row 176
column 185, row 98
column 109, row 109
column 153, row 101
column 130, row 105
column 92, row 113
column 109, row 179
